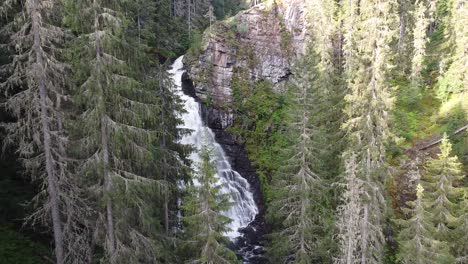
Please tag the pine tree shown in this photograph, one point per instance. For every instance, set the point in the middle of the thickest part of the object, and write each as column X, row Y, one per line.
column 403, row 47
column 423, row 17
column 454, row 80
column 368, row 55
column 119, row 131
column 442, row 197
column 297, row 181
column 325, row 43
column 417, row 243
column 349, row 215
column 195, row 11
column 37, row 95
column 204, row 221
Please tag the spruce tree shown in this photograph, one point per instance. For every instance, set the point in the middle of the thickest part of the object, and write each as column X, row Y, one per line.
column 423, row 16
column 297, row 181
column 37, row 96
column 403, row 47
column 368, row 56
column 349, row 214
column 417, row 242
column 442, row 196
column 454, row 79
column 119, row 133
column 204, row 223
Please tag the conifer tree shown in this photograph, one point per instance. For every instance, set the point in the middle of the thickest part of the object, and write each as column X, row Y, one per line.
column 315, row 92
column 195, row 11
column 297, row 181
column 205, row 224
column 349, row 215
column 325, row 44
column 37, row 95
column 368, row 55
column 118, row 131
column 423, row 17
column 460, row 243
column 442, row 196
column 417, row 243
column 455, row 79
column 406, row 24
column 460, row 35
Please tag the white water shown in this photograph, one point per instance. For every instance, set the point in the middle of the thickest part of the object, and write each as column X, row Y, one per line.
column 244, row 209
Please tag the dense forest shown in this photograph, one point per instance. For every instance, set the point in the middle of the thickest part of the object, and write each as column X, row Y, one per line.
column 233, row 131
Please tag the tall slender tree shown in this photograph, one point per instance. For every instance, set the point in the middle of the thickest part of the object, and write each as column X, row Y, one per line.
column 368, row 104
column 37, row 96
column 316, row 116
column 442, row 196
column 423, row 16
column 349, row 214
column 204, row 222
column 417, row 243
column 455, row 79
column 297, row 180
column 119, row 129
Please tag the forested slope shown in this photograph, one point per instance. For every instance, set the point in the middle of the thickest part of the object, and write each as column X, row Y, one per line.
column 344, row 135
column 353, row 115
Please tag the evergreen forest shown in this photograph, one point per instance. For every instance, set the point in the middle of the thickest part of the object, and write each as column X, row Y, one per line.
column 233, row 131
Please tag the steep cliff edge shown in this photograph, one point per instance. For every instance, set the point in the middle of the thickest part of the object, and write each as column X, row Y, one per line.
column 262, row 40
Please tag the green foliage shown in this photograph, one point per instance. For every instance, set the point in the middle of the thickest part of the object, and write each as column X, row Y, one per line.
column 203, row 221
column 417, row 239
column 196, row 44
column 436, row 217
column 425, row 110
column 16, row 248
column 227, row 8
column 242, row 28
column 413, row 110
column 442, row 197
column 460, row 241
column 308, row 165
column 127, row 130
column 260, row 119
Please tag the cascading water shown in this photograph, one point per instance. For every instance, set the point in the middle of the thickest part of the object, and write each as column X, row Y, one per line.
column 244, row 208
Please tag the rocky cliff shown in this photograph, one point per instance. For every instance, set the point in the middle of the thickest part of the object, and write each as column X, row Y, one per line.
column 262, row 40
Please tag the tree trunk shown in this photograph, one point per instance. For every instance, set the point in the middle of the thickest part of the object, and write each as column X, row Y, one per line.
column 51, row 177
column 458, row 131
column 108, row 189
column 163, row 147
column 105, row 149
column 189, row 18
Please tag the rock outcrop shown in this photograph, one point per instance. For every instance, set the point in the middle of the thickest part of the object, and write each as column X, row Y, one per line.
column 262, row 40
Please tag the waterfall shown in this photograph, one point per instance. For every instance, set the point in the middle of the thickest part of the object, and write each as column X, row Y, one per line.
column 244, row 208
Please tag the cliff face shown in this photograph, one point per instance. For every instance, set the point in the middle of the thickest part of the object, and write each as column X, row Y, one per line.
column 260, row 43
column 262, row 40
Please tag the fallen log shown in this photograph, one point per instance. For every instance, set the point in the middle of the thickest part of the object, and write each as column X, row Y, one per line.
column 430, row 145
